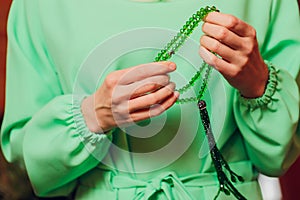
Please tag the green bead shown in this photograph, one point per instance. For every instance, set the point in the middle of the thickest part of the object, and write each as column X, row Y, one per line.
column 191, row 99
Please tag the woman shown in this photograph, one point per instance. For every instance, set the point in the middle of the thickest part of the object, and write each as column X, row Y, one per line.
column 81, row 88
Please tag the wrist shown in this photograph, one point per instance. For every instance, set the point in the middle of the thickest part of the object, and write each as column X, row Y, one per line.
column 270, row 90
column 89, row 114
column 257, row 88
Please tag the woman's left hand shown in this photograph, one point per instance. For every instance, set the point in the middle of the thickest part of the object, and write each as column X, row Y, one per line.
column 235, row 42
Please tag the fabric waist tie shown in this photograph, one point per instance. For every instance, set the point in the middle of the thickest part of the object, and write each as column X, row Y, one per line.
column 111, row 183
column 170, row 184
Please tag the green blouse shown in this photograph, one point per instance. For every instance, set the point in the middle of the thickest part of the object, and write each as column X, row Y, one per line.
column 60, row 50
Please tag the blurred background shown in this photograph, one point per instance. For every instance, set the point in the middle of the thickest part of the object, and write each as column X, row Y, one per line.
column 14, row 184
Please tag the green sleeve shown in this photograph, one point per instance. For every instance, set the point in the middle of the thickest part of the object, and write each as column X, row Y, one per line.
column 271, row 139
column 281, row 43
column 43, row 127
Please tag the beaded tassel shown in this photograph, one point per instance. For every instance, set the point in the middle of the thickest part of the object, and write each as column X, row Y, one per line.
column 218, row 160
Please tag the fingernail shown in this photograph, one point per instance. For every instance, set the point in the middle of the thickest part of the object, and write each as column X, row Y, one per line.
column 172, row 66
column 176, row 94
column 173, row 86
column 204, row 54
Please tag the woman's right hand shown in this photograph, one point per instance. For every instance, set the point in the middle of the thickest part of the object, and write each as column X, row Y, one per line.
column 130, row 95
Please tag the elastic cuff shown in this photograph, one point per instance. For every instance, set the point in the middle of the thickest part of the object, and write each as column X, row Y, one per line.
column 86, row 135
column 266, row 98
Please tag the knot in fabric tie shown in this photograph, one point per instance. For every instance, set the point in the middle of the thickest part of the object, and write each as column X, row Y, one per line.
column 168, row 184
column 157, row 184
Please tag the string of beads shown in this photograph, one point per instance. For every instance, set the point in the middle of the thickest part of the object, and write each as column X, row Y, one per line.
column 178, row 40
column 220, row 164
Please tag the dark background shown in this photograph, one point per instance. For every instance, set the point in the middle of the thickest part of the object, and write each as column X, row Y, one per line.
column 14, row 184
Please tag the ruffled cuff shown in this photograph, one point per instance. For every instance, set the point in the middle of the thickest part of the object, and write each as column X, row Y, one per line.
column 95, row 143
column 266, row 98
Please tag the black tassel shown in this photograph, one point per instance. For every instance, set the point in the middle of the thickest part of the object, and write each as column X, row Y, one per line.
column 219, row 162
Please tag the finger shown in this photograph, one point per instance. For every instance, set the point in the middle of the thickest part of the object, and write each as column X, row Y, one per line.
column 147, row 85
column 223, row 34
column 160, row 108
column 155, row 110
column 148, row 100
column 232, row 23
column 139, row 88
column 140, row 72
column 216, row 46
column 225, row 68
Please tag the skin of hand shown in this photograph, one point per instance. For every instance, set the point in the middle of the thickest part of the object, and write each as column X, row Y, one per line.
column 235, row 42
column 130, row 95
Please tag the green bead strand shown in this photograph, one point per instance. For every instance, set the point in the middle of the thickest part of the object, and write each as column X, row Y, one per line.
column 192, row 81
column 205, row 82
column 202, row 88
column 169, row 50
column 185, row 31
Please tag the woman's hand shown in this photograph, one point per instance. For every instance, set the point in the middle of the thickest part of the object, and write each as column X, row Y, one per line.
column 241, row 62
column 130, row 95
